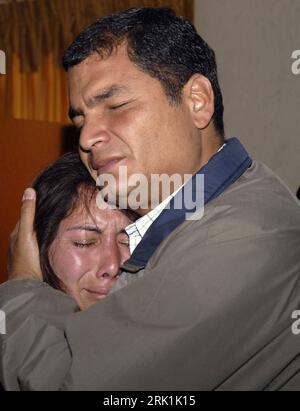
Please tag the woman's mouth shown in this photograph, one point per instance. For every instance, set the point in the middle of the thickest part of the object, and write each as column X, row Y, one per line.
column 97, row 294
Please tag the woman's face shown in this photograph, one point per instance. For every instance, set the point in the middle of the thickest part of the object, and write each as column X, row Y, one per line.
column 88, row 251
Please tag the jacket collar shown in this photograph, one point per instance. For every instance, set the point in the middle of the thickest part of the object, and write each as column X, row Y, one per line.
column 223, row 169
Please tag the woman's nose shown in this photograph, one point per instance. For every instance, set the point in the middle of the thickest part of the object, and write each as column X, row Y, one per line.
column 110, row 263
column 107, row 280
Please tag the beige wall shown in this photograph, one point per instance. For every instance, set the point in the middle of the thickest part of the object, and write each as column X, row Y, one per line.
column 254, row 41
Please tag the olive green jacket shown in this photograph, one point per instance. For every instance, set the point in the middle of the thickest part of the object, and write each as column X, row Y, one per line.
column 211, row 311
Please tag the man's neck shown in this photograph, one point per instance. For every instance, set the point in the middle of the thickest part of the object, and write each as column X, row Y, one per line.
column 208, row 151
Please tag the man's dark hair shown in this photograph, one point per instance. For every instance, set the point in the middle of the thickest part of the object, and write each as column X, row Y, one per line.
column 298, row 193
column 163, row 45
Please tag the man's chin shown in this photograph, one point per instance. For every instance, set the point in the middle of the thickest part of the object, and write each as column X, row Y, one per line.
column 92, row 172
column 116, row 198
column 85, row 158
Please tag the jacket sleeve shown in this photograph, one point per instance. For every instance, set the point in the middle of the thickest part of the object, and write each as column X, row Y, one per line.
column 34, row 354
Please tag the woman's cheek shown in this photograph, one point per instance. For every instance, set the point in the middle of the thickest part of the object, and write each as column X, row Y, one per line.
column 69, row 265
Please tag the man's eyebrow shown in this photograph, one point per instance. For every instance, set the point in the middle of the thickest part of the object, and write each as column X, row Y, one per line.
column 85, row 228
column 100, row 96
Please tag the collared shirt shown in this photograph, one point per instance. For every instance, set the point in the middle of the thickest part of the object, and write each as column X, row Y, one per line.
column 138, row 229
column 222, row 170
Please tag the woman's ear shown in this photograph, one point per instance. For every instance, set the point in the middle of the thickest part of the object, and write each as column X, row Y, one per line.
column 199, row 97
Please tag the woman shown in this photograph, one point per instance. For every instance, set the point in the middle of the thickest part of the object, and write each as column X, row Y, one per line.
column 81, row 246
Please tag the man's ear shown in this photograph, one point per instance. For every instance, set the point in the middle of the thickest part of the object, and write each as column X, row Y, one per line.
column 199, row 97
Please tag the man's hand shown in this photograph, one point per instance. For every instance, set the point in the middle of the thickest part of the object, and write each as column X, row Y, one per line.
column 23, row 260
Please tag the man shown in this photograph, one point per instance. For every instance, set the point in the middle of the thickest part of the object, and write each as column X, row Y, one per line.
column 204, row 303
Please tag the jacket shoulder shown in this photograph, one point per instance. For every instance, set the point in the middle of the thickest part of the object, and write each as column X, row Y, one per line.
column 258, row 204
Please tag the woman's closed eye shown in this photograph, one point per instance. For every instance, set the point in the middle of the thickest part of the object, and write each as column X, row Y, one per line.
column 123, row 239
column 84, row 244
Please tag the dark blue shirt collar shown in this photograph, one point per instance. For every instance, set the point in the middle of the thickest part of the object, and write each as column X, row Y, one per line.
column 223, row 169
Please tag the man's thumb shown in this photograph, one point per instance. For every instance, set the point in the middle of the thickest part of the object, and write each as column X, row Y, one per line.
column 29, row 194
column 27, row 212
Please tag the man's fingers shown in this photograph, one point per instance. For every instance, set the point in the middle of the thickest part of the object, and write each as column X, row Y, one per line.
column 27, row 213
column 24, row 261
column 12, row 241
column 15, row 232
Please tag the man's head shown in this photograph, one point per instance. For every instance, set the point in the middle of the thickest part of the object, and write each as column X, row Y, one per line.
column 144, row 91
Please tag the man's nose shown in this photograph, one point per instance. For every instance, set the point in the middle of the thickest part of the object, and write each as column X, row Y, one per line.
column 93, row 133
column 111, row 262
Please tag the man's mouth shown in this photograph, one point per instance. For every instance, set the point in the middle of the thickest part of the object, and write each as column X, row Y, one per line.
column 106, row 164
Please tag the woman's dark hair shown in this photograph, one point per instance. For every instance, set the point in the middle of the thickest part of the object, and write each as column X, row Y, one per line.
column 58, row 192
column 60, row 188
column 163, row 45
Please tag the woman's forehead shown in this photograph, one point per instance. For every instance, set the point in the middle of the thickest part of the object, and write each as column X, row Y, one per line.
column 90, row 214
